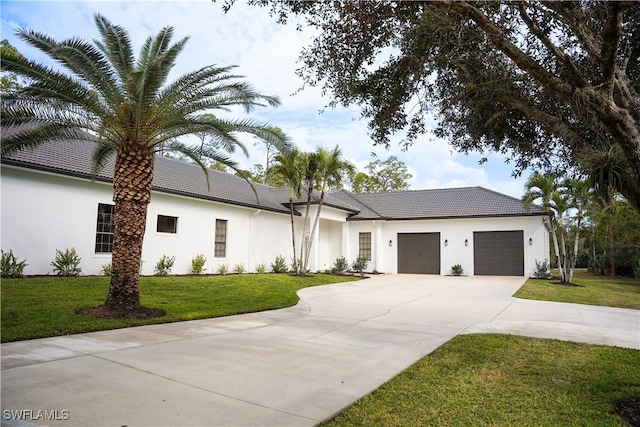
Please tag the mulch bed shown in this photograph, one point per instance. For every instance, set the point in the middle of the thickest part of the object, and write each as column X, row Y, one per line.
column 630, row 410
column 103, row 312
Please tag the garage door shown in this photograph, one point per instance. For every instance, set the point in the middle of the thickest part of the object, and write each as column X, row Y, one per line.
column 419, row 253
column 498, row 253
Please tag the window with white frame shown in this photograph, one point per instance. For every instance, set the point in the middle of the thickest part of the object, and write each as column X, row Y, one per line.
column 104, row 228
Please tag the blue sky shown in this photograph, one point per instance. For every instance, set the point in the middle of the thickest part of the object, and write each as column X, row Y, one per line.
column 266, row 53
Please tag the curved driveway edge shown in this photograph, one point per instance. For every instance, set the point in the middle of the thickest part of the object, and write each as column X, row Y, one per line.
column 295, row 366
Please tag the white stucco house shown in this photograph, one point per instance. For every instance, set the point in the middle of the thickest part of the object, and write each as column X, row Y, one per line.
column 50, row 201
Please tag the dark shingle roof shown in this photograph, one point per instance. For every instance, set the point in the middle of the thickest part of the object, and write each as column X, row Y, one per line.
column 73, row 158
column 170, row 176
column 467, row 202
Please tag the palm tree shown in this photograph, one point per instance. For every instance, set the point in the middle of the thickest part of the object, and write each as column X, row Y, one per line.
column 579, row 193
column 560, row 204
column 329, row 173
column 126, row 107
column 288, row 167
column 544, row 186
column 605, row 168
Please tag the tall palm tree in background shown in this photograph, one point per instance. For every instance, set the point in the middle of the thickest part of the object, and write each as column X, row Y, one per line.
column 289, row 167
column 544, row 187
column 560, row 204
column 579, row 197
column 127, row 107
column 605, row 168
column 330, row 170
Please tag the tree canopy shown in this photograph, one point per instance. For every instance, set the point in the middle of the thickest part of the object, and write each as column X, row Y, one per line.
column 9, row 81
column 382, row 176
column 545, row 83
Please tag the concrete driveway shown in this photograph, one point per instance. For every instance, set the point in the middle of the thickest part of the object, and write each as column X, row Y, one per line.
column 294, row 366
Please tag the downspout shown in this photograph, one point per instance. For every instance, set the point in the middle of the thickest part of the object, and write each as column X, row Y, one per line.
column 375, row 227
column 250, row 235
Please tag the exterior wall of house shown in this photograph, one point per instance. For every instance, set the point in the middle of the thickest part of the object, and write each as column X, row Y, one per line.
column 327, row 243
column 455, row 231
column 42, row 212
column 254, row 236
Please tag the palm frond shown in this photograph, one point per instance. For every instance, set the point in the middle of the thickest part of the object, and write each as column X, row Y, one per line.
column 47, row 83
column 100, row 156
column 116, row 45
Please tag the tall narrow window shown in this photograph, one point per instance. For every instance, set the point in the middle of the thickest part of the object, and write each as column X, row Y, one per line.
column 167, row 224
column 220, row 248
column 104, row 228
column 364, row 245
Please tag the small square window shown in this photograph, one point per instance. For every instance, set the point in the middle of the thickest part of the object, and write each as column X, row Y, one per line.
column 167, row 224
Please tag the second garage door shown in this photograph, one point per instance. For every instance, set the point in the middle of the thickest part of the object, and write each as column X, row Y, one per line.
column 498, row 253
column 419, row 253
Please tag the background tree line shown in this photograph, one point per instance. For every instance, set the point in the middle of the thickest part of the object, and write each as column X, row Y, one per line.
column 591, row 226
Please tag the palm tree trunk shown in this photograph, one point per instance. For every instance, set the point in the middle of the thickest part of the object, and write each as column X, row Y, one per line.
column 563, row 273
column 132, row 183
column 301, row 267
column 575, row 251
column 313, row 229
column 293, row 229
column 612, row 210
column 557, row 251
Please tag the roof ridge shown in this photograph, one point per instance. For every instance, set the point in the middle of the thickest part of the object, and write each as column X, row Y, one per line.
column 421, row 190
column 352, row 195
column 499, row 193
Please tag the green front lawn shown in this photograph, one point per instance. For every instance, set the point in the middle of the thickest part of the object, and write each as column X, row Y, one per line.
column 35, row 307
column 503, row 380
column 588, row 289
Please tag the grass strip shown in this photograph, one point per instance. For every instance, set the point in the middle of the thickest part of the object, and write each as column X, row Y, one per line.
column 587, row 289
column 37, row 307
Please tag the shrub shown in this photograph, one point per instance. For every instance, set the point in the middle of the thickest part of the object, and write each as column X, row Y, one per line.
column 67, row 263
column 197, row 264
column 542, row 270
column 279, row 265
column 261, row 269
column 340, row 265
column 222, row 269
column 164, row 266
column 359, row 265
column 238, row 268
column 106, row 269
column 10, row 266
column 456, row 270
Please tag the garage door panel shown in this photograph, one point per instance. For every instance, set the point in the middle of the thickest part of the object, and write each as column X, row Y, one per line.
column 498, row 253
column 419, row 253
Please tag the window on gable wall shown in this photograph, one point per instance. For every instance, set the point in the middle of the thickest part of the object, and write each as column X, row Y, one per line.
column 364, row 245
column 104, row 228
column 220, row 247
column 167, row 224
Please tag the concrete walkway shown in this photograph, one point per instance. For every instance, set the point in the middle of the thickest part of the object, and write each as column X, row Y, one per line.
column 295, row 366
